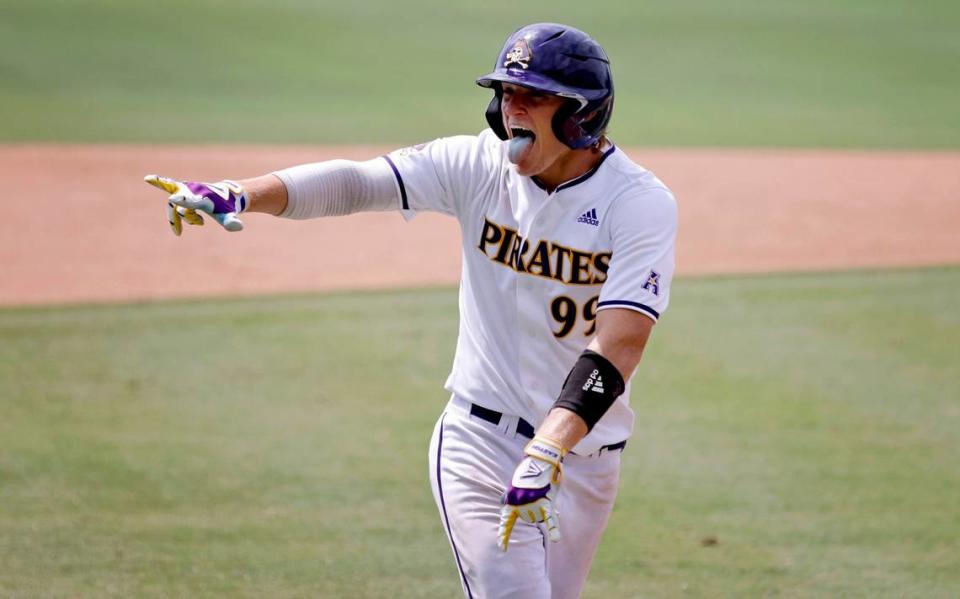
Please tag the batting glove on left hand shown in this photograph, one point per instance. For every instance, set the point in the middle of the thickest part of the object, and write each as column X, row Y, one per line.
column 223, row 201
column 533, row 491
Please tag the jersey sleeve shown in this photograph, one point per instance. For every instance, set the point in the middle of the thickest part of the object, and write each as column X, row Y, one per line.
column 441, row 175
column 643, row 231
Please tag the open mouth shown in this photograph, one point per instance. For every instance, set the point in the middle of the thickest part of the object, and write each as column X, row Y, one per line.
column 521, row 132
column 521, row 142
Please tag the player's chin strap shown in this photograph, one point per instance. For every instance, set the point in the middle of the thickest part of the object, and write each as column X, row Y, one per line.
column 592, row 386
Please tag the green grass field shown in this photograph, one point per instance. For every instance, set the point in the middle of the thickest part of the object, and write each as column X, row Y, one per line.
column 276, row 447
column 821, row 73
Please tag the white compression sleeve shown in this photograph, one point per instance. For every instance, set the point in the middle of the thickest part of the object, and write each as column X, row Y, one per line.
column 339, row 187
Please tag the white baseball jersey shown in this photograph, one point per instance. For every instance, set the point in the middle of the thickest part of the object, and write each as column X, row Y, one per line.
column 538, row 266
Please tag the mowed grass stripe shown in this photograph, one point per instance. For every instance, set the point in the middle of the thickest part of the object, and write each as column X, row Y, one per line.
column 819, row 73
column 796, row 436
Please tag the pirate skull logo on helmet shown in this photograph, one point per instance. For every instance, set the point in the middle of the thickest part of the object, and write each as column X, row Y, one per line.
column 520, row 54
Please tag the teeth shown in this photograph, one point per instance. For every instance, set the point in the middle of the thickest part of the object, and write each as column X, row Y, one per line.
column 521, row 132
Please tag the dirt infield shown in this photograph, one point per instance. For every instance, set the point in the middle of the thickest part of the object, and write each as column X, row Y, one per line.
column 79, row 224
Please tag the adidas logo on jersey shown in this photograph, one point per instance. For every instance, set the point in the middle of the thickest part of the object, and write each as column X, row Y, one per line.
column 594, row 382
column 589, row 217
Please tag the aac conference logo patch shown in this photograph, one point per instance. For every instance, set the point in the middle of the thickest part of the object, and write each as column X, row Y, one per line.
column 653, row 283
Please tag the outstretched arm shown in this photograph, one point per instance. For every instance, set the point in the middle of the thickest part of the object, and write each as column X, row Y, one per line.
column 331, row 188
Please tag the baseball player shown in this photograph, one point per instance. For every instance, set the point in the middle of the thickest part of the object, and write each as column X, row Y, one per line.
column 568, row 252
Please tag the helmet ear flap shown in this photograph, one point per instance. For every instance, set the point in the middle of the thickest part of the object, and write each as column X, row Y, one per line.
column 581, row 129
column 565, row 125
column 495, row 115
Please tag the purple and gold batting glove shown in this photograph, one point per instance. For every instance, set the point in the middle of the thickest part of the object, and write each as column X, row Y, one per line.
column 533, row 490
column 223, row 201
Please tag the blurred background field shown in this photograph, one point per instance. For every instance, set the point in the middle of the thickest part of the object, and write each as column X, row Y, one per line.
column 276, row 447
column 797, row 433
column 820, row 73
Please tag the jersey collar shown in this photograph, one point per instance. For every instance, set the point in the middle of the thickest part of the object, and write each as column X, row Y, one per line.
column 581, row 178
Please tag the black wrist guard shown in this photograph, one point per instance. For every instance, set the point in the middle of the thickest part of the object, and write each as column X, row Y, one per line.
column 591, row 388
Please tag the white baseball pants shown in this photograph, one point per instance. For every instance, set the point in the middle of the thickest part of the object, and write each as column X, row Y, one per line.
column 471, row 462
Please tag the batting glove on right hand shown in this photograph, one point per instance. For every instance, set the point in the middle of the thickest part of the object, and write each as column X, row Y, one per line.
column 223, row 201
column 533, row 491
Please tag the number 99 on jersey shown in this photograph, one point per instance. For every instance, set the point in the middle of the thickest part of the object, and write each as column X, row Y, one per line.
column 566, row 312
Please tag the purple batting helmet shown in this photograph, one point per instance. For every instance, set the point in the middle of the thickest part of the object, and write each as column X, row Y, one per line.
column 561, row 61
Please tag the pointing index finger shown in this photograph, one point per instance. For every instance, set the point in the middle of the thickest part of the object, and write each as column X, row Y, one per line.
column 168, row 185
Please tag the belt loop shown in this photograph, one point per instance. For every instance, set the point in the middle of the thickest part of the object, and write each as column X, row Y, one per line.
column 505, row 423
column 513, row 425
